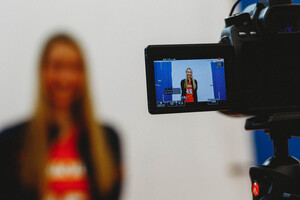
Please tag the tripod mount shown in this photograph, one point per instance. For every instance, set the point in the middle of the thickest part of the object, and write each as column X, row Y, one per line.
column 279, row 176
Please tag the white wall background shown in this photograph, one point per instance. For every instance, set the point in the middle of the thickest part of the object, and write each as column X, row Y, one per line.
column 180, row 156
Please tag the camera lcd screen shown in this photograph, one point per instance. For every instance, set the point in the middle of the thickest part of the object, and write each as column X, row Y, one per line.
column 188, row 78
column 182, row 82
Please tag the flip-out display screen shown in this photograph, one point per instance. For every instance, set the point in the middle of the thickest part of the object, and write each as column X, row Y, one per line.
column 186, row 78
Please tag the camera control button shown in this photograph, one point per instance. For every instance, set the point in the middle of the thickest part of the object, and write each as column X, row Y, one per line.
column 242, row 34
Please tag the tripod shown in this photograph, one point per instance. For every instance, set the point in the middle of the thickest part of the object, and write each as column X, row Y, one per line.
column 279, row 177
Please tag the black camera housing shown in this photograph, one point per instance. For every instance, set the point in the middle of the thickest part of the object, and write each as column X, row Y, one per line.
column 265, row 73
column 263, row 76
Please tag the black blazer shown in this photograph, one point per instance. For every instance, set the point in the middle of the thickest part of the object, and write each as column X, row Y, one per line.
column 11, row 143
column 183, row 90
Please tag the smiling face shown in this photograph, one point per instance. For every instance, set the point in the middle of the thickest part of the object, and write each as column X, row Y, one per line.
column 189, row 73
column 62, row 75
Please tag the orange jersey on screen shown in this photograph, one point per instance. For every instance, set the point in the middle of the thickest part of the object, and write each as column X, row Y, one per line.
column 189, row 93
column 66, row 176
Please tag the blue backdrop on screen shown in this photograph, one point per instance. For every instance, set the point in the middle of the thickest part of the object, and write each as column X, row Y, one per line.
column 218, row 75
column 163, row 79
column 263, row 145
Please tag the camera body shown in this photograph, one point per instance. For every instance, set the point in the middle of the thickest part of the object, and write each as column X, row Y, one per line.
column 265, row 73
column 260, row 47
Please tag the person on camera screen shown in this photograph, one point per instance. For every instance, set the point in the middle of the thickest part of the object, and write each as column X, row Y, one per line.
column 189, row 87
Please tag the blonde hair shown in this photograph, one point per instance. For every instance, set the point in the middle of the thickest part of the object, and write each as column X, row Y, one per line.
column 186, row 80
column 37, row 137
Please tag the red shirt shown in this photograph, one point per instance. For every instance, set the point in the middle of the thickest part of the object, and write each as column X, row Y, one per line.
column 66, row 176
column 189, row 93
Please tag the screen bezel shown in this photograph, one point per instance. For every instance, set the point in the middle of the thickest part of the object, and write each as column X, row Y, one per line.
column 185, row 52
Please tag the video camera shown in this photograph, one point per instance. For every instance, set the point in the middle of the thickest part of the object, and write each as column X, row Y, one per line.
column 253, row 70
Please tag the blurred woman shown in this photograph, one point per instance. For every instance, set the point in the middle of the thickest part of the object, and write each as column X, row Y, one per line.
column 189, row 87
column 62, row 152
